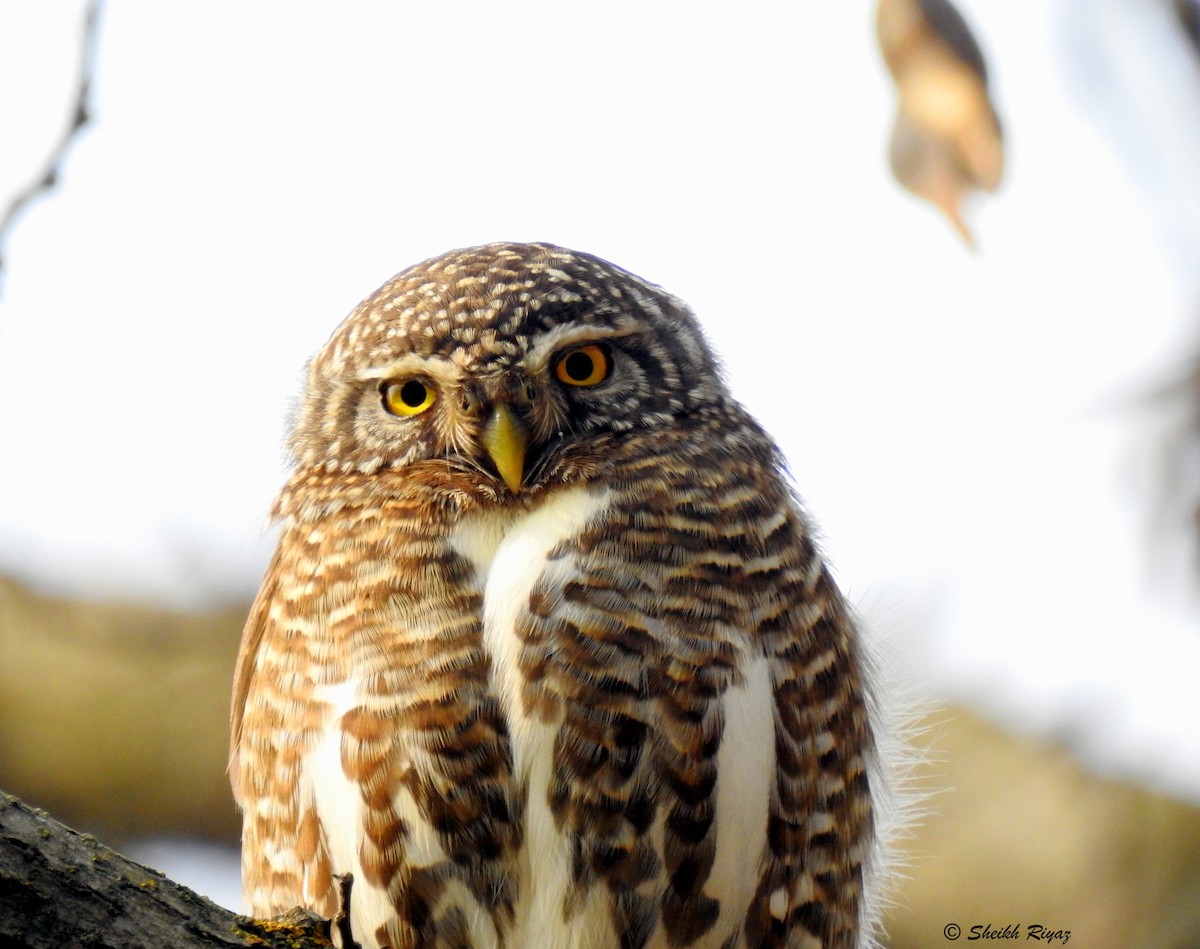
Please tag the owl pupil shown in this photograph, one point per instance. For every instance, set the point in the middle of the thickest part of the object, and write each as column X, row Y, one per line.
column 412, row 394
column 579, row 366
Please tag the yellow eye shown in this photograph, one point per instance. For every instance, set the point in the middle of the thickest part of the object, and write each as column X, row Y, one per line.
column 408, row 398
column 585, row 366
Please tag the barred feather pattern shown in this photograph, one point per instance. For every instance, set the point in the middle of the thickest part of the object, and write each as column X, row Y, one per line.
column 621, row 707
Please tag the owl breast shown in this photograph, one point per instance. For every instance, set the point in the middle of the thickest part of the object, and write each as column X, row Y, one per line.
column 526, row 561
column 511, row 555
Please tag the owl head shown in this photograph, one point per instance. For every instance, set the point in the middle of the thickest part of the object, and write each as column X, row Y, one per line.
column 507, row 361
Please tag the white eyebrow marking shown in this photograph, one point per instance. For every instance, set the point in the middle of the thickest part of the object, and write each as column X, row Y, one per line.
column 412, row 364
column 558, row 337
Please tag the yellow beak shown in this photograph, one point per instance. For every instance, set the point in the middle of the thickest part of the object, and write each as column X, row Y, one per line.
column 505, row 438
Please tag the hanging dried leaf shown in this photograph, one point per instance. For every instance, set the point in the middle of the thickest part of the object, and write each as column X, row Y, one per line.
column 946, row 142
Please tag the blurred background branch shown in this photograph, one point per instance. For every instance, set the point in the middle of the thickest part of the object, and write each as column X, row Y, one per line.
column 113, row 716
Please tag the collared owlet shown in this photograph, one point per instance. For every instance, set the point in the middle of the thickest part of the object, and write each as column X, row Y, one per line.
column 547, row 657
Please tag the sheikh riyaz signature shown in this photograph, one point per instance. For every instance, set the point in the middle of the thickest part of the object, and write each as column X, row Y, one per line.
column 1033, row 932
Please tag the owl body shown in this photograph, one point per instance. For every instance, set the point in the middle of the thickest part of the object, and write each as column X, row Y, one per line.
column 546, row 656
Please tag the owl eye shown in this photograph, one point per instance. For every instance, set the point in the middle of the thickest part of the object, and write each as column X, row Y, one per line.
column 585, row 366
column 411, row 397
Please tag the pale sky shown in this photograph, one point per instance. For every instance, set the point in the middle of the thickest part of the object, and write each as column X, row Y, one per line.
column 972, row 432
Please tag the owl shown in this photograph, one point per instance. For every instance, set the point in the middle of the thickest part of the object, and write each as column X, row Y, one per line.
column 547, row 656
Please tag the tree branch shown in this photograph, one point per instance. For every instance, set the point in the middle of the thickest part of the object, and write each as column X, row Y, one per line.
column 80, row 116
column 60, row 888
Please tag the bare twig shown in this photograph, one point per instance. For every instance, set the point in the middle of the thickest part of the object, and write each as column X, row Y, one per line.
column 80, row 117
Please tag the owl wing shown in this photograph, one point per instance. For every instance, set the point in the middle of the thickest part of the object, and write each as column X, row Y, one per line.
column 708, row 767
column 365, row 739
column 285, row 860
column 252, row 636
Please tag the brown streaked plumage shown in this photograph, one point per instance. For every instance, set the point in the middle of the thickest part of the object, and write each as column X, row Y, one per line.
column 547, row 656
